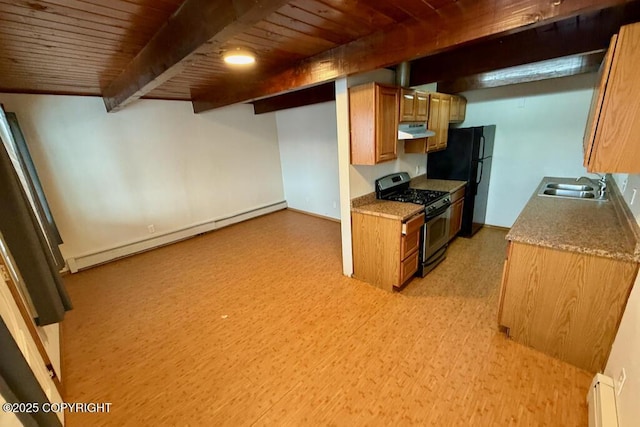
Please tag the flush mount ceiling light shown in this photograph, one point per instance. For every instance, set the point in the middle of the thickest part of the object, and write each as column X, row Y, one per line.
column 239, row 56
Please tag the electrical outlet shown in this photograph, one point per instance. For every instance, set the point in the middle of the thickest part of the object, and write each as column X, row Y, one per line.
column 622, row 377
column 417, row 170
column 633, row 196
column 151, row 228
column 335, row 204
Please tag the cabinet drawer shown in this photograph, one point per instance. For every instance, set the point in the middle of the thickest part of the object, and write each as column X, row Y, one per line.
column 409, row 243
column 413, row 224
column 408, row 267
column 457, row 195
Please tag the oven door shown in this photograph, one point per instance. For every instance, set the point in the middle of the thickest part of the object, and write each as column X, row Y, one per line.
column 435, row 233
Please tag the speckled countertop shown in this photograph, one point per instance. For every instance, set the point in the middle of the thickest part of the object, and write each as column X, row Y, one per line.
column 582, row 226
column 368, row 204
column 424, row 183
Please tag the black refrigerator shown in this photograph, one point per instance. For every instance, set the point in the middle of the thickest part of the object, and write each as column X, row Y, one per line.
column 467, row 158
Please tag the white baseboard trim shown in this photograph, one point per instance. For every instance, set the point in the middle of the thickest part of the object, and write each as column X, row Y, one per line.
column 81, row 262
column 328, row 218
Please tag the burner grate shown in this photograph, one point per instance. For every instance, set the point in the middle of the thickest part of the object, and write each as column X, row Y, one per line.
column 414, row 195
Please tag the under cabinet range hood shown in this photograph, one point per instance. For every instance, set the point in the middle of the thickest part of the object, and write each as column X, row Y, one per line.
column 414, row 131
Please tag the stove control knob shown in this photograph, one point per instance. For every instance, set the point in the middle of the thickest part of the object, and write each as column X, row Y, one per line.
column 448, row 200
column 431, row 208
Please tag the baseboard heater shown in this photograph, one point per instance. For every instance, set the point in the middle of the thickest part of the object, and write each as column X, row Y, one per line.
column 602, row 402
column 100, row 257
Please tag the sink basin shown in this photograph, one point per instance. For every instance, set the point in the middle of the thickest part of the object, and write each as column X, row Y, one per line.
column 576, row 191
column 570, row 193
column 573, row 187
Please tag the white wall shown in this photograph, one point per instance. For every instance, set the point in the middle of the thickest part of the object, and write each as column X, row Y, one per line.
column 344, row 170
column 108, row 176
column 364, row 177
column 626, row 347
column 539, row 131
column 308, row 142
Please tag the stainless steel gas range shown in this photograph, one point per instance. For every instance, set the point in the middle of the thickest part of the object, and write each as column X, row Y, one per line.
column 437, row 206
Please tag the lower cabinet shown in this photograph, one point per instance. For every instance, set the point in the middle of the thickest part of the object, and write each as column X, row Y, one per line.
column 457, row 203
column 565, row 304
column 385, row 250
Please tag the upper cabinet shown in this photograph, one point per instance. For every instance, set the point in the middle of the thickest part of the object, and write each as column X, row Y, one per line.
column 414, row 105
column 375, row 110
column 441, row 128
column 458, row 109
column 407, row 105
column 438, row 121
column 612, row 137
column 373, row 114
column 422, row 106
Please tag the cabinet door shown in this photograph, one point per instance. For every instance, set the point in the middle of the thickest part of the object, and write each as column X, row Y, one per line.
column 462, row 109
column 443, row 129
column 505, row 270
column 612, row 141
column 434, row 122
column 386, row 123
column 408, row 268
column 407, row 105
column 454, row 111
column 376, row 250
column 565, row 304
column 410, row 240
column 596, row 103
column 456, row 218
column 373, row 117
column 422, row 106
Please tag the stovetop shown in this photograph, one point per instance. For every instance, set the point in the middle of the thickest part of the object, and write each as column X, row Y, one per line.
column 417, row 196
column 395, row 187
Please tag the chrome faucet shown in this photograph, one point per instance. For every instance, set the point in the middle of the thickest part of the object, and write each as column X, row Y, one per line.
column 601, row 183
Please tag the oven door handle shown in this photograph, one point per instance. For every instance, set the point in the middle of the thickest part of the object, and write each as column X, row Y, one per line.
column 435, row 257
column 440, row 211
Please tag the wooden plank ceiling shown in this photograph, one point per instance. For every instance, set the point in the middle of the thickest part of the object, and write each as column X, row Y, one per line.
column 82, row 47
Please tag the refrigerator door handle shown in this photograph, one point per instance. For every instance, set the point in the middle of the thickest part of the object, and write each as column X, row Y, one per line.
column 482, row 138
column 479, row 178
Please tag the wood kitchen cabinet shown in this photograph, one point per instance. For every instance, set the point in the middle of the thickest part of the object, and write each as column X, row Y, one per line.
column 385, row 250
column 457, row 203
column 458, row 110
column 373, row 114
column 565, row 304
column 422, row 106
column 407, row 105
column 612, row 137
column 439, row 110
column 414, row 105
column 442, row 128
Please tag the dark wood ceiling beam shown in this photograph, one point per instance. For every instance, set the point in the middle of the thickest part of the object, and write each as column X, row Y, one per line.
column 197, row 28
column 455, row 25
column 571, row 36
column 544, row 70
column 300, row 98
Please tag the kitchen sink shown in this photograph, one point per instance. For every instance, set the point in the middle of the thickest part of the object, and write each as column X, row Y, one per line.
column 573, row 187
column 570, row 191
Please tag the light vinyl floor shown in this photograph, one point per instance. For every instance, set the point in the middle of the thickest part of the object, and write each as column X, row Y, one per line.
column 254, row 324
